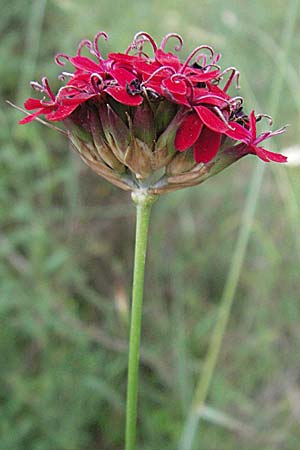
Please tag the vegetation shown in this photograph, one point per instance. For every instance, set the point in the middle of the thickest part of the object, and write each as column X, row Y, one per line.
column 67, row 248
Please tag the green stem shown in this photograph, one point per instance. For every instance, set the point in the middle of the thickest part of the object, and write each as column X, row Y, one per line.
column 143, row 203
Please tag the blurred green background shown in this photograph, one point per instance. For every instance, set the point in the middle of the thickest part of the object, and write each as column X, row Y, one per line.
column 67, row 247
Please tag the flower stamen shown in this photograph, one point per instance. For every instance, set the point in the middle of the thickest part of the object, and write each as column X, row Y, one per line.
column 234, row 74
column 84, row 43
column 194, row 52
column 96, row 42
column 262, row 116
column 58, row 58
column 65, row 75
column 187, row 81
column 221, row 116
column 146, row 38
column 157, row 71
column 71, row 88
column 134, row 87
column 44, row 87
column 236, row 102
column 177, row 47
column 97, row 82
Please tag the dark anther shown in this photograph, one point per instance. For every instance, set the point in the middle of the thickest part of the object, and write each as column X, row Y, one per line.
column 201, row 84
column 153, row 96
column 196, row 65
column 134, row 87
column 239, row 116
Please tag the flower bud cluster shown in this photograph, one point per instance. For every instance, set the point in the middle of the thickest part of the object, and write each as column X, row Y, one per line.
column 151, row 122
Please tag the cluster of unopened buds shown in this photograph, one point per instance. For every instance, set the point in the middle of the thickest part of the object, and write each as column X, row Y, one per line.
column 152, row 123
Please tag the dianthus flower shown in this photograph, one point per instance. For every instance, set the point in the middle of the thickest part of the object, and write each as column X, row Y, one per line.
column 151, row 122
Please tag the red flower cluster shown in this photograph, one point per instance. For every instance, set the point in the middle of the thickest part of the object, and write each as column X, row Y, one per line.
column 206, row 114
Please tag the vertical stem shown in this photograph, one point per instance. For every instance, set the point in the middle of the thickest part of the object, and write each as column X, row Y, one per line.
column 143, row 203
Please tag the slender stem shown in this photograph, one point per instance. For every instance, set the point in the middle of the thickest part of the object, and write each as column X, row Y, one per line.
column 143, row 203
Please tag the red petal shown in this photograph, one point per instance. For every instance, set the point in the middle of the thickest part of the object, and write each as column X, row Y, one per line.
column 188, row 132
column 167, row 59
column 120, row 94
column 267, row 156
column 123, row 58
column 77, row 100
column 218, row 91
column 202, row 77
column 176, row 98
column 32, row 103
column 199, row 92
column 156, row 87
column 210, row 119
column 175, row 86
column 238, row 132
column 123, row 76
column 148, row 68
column 202, row 95
column 207, row 145
column 83, row 63
column 252, row 125
column 33, row 116
column 81, row 77
column 61, row 113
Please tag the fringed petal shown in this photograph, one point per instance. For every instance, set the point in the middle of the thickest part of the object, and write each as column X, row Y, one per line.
column 268, row 156
column 86, row 64
column 207, row 145
column 188, row 132
column 120, row 94
column 210, row 119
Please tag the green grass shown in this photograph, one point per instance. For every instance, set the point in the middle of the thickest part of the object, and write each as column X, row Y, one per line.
column 67, row 249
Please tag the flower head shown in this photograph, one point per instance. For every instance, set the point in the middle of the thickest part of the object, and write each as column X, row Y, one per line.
column 151, row 121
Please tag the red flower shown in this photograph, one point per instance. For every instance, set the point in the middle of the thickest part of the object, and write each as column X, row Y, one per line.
column 139, row 113
column 63, row 104
column 202, row 131
column 125, row 91
column 248, row 136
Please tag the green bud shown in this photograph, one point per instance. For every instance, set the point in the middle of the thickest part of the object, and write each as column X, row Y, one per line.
column 191, row 176
column 116, row 132
column 164, row 148
column 78, row 131
column 143, row 124
column 84, row 148
column 164, row 113
column 101, row 145
column 202, row 172
column 181, row 162
column 138, row 158
column 104, row 171
column 228, row 156
column 134, row 147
